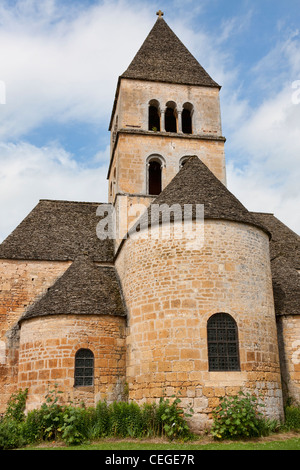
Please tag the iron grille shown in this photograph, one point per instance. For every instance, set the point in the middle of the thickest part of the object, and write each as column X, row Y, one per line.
column 84, row 368
column 222, row 339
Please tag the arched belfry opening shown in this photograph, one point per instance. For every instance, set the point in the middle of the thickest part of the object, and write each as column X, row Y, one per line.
column 171, row 117
column 154, row 116
column 186, row 117
column 155, row 166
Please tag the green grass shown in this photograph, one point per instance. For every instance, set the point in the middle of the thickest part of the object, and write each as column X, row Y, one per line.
column 288, row 444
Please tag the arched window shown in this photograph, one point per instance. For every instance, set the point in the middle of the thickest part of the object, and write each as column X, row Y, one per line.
column 154, row 116
column 223, row 346
column 186, row 117
column 155, row 164
column 171, row 117
column 154, row 177
column 84, row 368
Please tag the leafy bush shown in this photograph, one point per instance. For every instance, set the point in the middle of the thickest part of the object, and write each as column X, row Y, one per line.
column 292, row 417
column 33, row 428
column 239, row 416
column 11, row 425
column 11, row 435
column 76, row 423
column 173, row 418
column 16, row 406
column 51, row 415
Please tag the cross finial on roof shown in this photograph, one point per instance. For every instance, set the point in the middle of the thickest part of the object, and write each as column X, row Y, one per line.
column 160, row 14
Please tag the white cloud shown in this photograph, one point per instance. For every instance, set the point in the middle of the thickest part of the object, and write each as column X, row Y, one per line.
column 64, row 68
column 59, row 63
column 264, row 148
column 258, row 193
column 28, row 173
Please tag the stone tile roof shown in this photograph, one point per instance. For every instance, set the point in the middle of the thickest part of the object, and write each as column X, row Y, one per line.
column 286, row 287
column 285, row 264
column 164, row 58
column 285, row 242
column 196, row 184
column 84, row 289
column 58, row 231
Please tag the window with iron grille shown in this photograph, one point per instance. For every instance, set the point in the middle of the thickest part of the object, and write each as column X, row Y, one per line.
column 84, row 368
column 223, row 346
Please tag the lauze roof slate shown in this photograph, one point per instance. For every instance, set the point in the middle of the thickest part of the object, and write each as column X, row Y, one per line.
column 58, row 231
column 164, row 58
column 196, row 184
column 84, row 289
column 285, row 264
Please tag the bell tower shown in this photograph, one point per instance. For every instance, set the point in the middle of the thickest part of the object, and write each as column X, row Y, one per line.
column 166, row 109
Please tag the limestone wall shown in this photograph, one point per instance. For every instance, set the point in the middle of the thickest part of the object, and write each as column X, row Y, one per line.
column 21, row 283
column 135, row 95
column 132, row 143
column 47, row 357
column 172, row 289
column 133, row 151
column 289, row 347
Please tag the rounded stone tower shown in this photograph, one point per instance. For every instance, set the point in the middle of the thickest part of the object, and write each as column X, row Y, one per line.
column 201, row 315
column 74, row 338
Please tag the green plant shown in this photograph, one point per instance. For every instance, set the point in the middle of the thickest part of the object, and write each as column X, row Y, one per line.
column 151, row 419
column 33, row 426
column 16, row 406
column 292, row 417
column 101, row 423
column 173, row 419
column 73, row 429
column 238, row 416
column 51, row 415
column 11, row 435
column 125, row 419
column 76, row 424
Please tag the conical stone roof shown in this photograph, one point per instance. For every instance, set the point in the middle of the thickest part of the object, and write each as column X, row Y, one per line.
column 84, row 289
column 286, row 287
column 164, row 58
column 196, row 184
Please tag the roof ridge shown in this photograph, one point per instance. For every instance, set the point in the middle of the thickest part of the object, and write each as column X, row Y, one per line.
column 63, row 201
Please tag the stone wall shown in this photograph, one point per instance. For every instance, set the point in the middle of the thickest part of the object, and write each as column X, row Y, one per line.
column 21, row 283
column 289, row 348
column 134, row 150
column 47, row 356
column 132, row 143
column 135, row 95
column 172, row 288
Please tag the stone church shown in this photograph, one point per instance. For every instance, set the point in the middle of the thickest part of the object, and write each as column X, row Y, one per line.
column 140, row 317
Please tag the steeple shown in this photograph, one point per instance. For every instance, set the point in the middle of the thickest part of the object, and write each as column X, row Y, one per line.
column 166, row 109
column 164, row 58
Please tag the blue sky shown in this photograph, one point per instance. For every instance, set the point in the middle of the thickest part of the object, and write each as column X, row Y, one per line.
column 60, row 60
